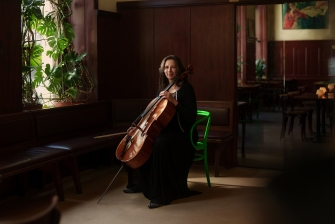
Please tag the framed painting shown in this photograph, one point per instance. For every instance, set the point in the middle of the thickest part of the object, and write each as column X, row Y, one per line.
column 305, row 15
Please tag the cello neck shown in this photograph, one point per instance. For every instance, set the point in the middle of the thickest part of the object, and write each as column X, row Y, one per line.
column 180, row 76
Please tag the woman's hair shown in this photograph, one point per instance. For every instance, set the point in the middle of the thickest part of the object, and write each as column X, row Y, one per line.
column 163, row 81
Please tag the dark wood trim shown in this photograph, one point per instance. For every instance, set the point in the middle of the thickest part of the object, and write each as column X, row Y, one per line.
column 162, row 4
column 175, row 3
column 9, row 1
column 108, row 14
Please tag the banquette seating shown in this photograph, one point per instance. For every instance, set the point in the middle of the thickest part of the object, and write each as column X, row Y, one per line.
column 73, row 129
column 49, row 138
column 18, row 154
column 221, row 129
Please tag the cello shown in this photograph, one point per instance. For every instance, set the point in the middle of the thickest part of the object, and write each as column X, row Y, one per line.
column 136, row 147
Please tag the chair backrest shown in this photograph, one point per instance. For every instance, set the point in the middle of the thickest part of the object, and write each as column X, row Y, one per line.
column 50, row 215
column 203, row 117
column 283, row 102
column 302, row 89
column 291, row 100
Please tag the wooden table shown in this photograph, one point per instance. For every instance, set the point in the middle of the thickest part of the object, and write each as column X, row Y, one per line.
column 270, row 91
column 320, row 111
column 250, row 94
column 319, row 84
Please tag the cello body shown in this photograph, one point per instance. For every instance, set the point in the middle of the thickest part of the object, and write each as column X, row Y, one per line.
column 136, row 151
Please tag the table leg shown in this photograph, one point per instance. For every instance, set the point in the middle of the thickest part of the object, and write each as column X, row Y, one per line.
column 318, row 129
column 323, row 108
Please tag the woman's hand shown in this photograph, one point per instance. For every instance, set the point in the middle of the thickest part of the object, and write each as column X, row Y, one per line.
column 167, row 95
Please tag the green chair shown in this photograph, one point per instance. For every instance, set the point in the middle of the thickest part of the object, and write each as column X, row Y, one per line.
column 204, row 117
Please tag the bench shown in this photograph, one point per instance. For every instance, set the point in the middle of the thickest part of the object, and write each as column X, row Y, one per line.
column 18, row 155
column 221, row 128
column 77, row 130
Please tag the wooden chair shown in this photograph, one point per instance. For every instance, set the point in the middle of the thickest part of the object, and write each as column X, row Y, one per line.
column 50, row 215
column 308, row 109
column 291, row 115
column 303, row 89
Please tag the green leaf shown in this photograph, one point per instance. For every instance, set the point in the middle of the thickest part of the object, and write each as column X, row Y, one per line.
column 68, row 32
column 72, row 92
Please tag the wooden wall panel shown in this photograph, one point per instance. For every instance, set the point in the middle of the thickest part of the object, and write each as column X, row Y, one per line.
column 305, row 61
column 10, row 57
column 136, row 77
column 172, row 36
column 213, row 51
column 108, row 54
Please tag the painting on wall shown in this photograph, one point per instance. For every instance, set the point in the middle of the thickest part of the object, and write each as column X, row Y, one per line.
column 305, row 15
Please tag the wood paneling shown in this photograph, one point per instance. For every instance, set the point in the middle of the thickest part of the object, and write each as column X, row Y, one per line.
column 10, row 58
column 171, row 36
column 107, row 54
column 136, row 77
column 197, row 34
column 213, row 52
column 304, row 61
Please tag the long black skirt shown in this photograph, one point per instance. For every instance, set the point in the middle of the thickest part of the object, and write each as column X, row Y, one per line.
column 164, row 175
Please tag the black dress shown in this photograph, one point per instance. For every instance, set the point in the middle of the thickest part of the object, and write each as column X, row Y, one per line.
column 164, row 175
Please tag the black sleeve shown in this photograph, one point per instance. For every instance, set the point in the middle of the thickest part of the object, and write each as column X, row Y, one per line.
column 187, row 104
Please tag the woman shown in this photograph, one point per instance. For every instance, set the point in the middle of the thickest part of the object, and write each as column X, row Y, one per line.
column 163, row 177
column 292, row 16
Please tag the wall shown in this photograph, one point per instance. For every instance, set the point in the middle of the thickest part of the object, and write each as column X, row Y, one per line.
column 276, row 31
column 10, row 59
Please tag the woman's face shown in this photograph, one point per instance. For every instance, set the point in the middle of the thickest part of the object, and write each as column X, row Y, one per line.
column 170, row 69
column 291, row 5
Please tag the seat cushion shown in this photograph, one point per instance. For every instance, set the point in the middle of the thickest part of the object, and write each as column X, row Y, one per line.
column 89, row 142
column 28, row 159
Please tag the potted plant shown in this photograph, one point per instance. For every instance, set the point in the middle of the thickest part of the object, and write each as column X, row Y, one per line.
column 31, row 52
column 260, row 67
column 67, row 78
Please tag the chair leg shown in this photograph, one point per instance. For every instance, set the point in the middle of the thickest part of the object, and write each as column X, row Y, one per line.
column 310, row 120
column 71, row 163
column 291, row 125
column 206, row 168
column 54, row 170
column 283, row 129
column 303, row 128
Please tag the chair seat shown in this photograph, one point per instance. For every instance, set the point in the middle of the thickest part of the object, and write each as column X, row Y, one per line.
column 296, row 112
column 306, row 108
column 309, row 103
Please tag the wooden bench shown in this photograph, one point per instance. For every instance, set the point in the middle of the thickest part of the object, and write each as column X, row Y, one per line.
column 34, row 139
column 18, row 155
column 221, row 128
column 77, row 130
